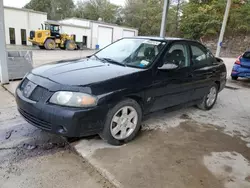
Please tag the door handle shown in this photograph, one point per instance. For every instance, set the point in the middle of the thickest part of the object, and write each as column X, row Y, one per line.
column 190, row 75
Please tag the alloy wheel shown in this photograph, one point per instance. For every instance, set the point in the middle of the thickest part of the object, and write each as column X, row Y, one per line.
column 211, row 97
column 124, row 122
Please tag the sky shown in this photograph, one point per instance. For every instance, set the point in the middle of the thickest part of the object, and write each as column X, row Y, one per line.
column 21, row 3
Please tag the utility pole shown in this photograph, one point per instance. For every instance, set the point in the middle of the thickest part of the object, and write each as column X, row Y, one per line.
column 4, row 77
column 164, row 18
column 177, row 15
column 223, row 28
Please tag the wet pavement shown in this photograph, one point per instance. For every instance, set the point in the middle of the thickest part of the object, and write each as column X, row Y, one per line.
column 174, row 158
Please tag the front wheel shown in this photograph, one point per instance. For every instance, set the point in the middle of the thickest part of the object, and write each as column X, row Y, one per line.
column 209, row 99
column 122, row 122
column 50, row 44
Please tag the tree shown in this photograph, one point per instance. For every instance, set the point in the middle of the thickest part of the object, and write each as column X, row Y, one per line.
column 95, row 9
column 145, row 15
column 204, row 18
column 56, row 9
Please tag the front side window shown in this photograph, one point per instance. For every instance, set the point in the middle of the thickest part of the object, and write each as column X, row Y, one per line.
column 177, row 55
column 133, row 52
column 53, row 28
column 200, row 56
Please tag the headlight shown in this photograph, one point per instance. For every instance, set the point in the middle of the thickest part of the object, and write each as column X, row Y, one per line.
column 73, row 99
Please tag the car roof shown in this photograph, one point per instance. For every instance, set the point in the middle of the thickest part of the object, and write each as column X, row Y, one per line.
column 161, row 38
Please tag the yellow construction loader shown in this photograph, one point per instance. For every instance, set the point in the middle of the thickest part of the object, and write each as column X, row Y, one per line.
column 49, row 38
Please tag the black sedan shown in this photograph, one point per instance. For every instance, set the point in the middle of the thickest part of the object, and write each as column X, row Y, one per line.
column 109, row 92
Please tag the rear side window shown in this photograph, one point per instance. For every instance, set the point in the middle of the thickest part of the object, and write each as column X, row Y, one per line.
column 246, row 55
column 201, row 56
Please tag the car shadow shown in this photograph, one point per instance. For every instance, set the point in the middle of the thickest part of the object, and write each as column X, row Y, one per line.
column 244, row 82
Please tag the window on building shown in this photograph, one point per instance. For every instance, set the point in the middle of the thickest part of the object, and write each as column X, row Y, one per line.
column 12, row 35
column 84, row 41
column 23, row 37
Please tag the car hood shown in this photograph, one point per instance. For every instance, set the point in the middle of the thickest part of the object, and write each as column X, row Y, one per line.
column 82, row 71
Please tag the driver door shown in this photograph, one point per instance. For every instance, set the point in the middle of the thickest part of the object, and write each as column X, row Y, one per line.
column 173, row 86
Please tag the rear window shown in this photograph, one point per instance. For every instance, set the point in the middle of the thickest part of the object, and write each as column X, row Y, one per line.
column 246, row 55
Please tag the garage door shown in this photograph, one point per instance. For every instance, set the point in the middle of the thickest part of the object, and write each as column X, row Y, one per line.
column 127, row 33
column 105, row 36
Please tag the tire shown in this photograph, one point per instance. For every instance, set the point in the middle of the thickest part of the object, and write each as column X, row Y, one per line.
column 50, row 44
column 116, row 121
column 70, row 45
column 207, row 104
column 234, row 77
column 42, row 47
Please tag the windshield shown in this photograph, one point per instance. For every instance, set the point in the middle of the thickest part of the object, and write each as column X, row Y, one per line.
column 246, row 55
column 53, row 28
column 132, row 52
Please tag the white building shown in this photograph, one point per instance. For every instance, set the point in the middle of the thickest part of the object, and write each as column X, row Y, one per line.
column 97, row 32
column 19, row 23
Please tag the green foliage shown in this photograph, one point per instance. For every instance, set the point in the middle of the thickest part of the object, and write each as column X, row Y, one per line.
column 95, row 9
column 144, row 15
column 205, row 19
column 56, row 9
column 200, row 20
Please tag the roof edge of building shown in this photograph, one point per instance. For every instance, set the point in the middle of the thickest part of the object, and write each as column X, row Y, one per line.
column 25, row 10
column 65, row 24
column 100, row 22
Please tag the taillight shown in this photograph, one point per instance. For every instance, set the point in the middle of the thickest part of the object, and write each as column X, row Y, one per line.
column 238, row 60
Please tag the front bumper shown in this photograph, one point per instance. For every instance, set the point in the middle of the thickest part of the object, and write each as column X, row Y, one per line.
column 239, row 71
column 65, row 121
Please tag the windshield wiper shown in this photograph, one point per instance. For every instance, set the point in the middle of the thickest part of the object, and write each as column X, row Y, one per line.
column 98, row 57
column 113, row 61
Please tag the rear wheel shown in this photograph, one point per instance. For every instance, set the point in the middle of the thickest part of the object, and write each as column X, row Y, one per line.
column 209, row 99
column 122, row 122
column 234, row 77
column 50, row 44
column 70, row 45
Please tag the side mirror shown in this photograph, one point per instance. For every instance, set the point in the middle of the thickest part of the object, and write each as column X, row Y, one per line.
column 168, row 66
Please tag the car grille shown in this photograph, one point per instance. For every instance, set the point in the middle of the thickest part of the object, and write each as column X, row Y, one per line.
column 35, row 121
column 37, row 94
